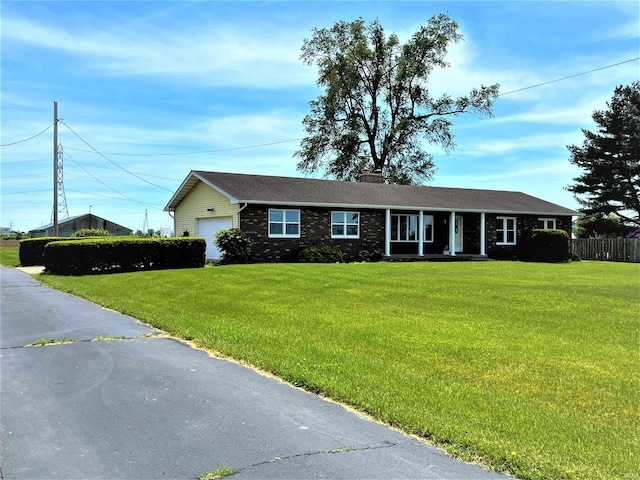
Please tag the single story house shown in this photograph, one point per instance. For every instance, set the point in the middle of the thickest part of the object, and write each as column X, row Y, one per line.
column 69, row 226
column 366, row 219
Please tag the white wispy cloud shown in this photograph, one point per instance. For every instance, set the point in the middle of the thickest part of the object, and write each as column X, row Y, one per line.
column 577, row 115
column 235, row 130
column 515, row 144
column 212, row 55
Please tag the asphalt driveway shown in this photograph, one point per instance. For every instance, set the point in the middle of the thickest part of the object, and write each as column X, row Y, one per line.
column 120, row 401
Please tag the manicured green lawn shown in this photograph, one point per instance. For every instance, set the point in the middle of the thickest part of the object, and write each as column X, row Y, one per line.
column 9, row 256
column 528, row 368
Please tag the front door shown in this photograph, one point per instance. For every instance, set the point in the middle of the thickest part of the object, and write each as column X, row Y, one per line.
column 459, row 234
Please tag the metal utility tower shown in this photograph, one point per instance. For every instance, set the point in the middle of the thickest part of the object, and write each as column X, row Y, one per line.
column 145, row 225
column 60, row 203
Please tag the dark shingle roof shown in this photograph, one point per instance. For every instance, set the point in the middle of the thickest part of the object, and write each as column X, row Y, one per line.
column 266, row 189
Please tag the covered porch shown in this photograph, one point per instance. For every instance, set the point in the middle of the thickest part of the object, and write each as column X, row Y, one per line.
column 435, row 235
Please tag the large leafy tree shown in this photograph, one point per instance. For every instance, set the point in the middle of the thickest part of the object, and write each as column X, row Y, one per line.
column 610, row 158
column 377, row 111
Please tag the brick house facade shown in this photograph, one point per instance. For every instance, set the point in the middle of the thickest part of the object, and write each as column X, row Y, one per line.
column 315, row 229
column 386, row 220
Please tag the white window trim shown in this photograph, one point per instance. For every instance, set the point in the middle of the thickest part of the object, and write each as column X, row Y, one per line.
column 505, row 230
column 345, row 224
column 284, row 223
column 433, row 227
column 395, row 234
column 547, row 219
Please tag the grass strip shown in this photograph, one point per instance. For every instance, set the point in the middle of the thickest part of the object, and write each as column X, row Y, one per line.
column 10, row 256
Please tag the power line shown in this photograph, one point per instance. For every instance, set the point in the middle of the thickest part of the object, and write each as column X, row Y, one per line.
column 570, row 76
column 298, row 139
column 92, row 194
column 22, row 193
column 93, row 150
column 193, row 153
column 111, row 161
column 27, row 139
column 26, row 176
column 120, row 184
column 110, row 188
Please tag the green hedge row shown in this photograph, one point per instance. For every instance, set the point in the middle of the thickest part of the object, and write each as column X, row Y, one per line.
column 32, row 249
column 123, row 254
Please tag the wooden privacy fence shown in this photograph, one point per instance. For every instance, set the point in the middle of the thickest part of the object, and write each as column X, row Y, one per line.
column 609, row 249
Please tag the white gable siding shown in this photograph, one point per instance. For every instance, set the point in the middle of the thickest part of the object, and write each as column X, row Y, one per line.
column 195, row 204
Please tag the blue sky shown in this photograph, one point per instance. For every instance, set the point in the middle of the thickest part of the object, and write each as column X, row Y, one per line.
column 162, row 88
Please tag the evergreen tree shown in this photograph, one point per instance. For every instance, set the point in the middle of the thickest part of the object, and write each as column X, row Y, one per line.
column 611, row 159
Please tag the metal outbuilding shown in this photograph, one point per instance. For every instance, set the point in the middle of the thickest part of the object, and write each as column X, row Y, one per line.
column 69, row 226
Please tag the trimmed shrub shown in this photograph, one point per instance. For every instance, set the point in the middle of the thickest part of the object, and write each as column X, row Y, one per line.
column 370, row 255
column 123, row 254
column 550, row 246
column 91, row 232
column 32, row 249
column 321, row 254
column 234, row 244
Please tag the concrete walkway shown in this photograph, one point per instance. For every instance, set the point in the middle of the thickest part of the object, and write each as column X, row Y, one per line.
column 138, row 405
column 34, row 270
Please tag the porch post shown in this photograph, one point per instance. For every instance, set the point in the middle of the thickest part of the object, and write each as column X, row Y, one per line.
column 452, row 234
column 483, row 234
column 421, row 234
column 387, row 233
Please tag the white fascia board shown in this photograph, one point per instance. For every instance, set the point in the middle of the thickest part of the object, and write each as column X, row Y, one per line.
column 482, row 210
column 408, row 208
column 179, row 191
column 311, row 204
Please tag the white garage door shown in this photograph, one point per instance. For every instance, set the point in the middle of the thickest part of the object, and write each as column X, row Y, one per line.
column 207, row 228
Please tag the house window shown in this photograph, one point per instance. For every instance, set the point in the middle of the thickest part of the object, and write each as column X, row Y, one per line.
column 345, row 224
column 506, row 230
column 428, row 228
column 284, row 223
column 404, row 228
column 547, row 223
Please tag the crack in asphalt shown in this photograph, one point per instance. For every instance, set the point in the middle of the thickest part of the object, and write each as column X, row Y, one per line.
column 30, row 285
column 45, row 342
column 350, row 448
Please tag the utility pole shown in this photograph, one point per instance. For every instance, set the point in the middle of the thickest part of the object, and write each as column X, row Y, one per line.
column 55, row 168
